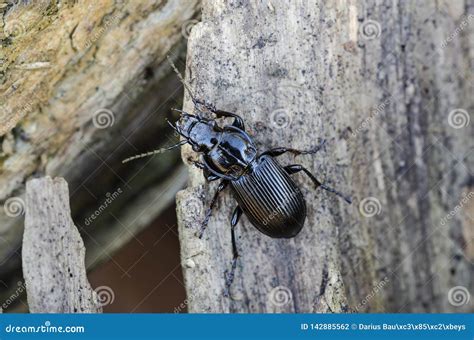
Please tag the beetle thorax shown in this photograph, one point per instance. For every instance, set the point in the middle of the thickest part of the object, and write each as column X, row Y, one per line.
column 233, row 155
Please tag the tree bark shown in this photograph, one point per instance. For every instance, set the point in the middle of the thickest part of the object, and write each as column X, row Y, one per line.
column 381, row 83
column 53, row 252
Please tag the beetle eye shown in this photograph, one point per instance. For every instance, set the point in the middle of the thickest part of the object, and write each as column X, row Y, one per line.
column 214, row 141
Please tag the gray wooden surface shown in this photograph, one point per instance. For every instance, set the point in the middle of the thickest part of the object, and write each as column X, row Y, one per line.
column 53, row 252
column 381, row 84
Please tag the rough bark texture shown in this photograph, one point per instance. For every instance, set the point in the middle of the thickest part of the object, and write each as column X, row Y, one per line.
column 84, row 85
column 379, row 81
column 53, row 252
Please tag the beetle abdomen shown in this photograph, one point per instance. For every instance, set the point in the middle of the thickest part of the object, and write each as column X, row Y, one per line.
column 271, row 200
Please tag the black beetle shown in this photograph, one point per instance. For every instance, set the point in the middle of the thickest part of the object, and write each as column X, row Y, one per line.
column 263, row 188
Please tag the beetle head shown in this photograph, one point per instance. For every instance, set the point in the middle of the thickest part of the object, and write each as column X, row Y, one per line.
column 203, row 134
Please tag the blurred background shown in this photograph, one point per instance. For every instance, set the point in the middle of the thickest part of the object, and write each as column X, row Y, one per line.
column 85, row 84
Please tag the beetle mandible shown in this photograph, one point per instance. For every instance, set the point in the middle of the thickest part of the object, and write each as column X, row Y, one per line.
column 264, row 190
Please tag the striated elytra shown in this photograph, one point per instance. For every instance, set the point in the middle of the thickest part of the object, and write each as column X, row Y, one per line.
column 270, row 199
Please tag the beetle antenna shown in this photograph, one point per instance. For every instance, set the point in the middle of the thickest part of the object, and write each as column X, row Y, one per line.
column 185, row 114
column 154, row 152
column 186, row 86
column 171, row 124
column 181, row 79
column 175, row 128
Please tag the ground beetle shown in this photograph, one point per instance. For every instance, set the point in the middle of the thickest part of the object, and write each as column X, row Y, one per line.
column 263, row 188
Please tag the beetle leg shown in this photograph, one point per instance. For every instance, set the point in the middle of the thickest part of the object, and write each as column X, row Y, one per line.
column 209, row 176
column 294, row 168
column 238, row 121
column 230, row 274
column 221, row 187
column 275, row 152
column 197, row 164
column 235, row 216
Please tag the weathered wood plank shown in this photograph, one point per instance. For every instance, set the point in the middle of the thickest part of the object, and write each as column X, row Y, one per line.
column 379, row 82
column 53, row 252
column 261, row 61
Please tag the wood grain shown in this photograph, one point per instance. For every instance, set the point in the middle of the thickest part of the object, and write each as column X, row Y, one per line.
column 53, row 252
column 378, row 81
